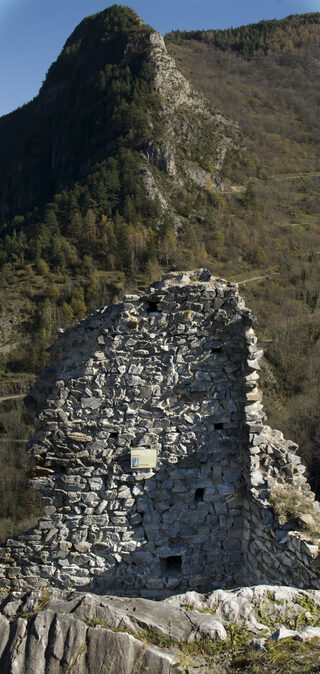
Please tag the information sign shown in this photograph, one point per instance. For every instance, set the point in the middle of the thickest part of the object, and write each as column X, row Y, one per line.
column 143, row 458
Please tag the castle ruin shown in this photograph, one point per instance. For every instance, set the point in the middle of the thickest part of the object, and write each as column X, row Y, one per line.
column 152, row 454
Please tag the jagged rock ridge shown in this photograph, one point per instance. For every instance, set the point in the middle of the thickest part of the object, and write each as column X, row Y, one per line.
column 193, row 129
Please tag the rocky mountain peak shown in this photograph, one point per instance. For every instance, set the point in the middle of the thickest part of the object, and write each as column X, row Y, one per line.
column 114, row 86
column 168, row 80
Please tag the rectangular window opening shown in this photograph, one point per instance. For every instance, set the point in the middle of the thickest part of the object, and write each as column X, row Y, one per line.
column 59, row 468
column 152, row 307
column 172, row 566
column 219, row 426
column 199, row 494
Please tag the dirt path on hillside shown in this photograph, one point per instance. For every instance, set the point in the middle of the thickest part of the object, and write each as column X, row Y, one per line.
column 257, row 278
column 295, row 176
column 13, row 397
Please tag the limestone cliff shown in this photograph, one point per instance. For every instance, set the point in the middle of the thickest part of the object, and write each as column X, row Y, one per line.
column 196, row 139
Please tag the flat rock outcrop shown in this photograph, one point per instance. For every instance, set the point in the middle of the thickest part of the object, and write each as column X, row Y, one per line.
column 59, row 632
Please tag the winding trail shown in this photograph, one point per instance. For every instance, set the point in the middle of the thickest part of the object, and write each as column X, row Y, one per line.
column 23, row 441
column 254, row 278
column 296, row 176
column 12, row 397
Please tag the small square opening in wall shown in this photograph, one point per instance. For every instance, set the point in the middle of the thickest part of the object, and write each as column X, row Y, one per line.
column 199, row 494
column 60, row 468
column 152, row 307
column 219, row 426
column 171, row 566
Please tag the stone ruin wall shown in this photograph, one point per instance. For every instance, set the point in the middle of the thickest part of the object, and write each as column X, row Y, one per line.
column 177, row 370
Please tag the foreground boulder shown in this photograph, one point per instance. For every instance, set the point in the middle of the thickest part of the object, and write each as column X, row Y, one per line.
column 62, row 632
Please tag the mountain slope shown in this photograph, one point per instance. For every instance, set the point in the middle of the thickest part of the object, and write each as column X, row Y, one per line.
column 258, row 39
column 265, row 77
column 116, row 133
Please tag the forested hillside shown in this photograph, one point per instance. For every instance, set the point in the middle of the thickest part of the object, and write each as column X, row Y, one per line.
column 264, row 76
column 259, row 39
column 106, row 180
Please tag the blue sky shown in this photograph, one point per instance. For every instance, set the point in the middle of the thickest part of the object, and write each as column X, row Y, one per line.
column 33, row 32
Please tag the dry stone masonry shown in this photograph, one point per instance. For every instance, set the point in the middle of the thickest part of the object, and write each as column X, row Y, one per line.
column 175, row 370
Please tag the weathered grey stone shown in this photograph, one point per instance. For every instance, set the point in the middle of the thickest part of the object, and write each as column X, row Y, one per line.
column 79, row 437
column 4, row 633
column 110, row 651
column 63, row 636
column 83, row 546
column 307, row 633
column 284, row 633
column 210, row 626
column 259, row 644
column 91, row 403
column 13, row 657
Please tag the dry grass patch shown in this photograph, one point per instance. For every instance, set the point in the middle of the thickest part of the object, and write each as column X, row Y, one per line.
column 297, row 506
